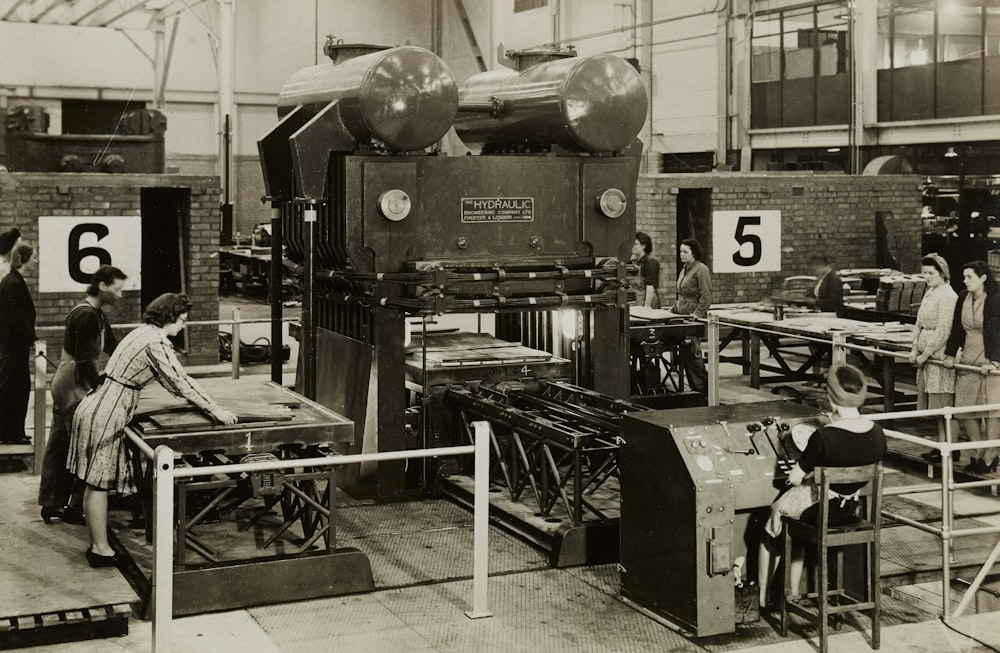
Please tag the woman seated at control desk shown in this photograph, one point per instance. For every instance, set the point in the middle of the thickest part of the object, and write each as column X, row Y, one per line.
column 848, row 441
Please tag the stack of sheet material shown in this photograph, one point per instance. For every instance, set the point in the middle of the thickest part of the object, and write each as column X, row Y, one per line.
column 899, row 293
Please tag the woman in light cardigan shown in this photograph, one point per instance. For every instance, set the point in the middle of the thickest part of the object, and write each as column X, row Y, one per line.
column 694, row 297
column 935, row 384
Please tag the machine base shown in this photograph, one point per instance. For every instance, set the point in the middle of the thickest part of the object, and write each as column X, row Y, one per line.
column 265, row 581
column 589, row 543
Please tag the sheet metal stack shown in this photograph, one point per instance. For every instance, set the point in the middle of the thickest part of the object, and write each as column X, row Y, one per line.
column 900, row 293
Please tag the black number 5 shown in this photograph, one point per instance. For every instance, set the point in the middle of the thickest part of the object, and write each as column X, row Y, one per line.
column 743, row 238
column 77, row 253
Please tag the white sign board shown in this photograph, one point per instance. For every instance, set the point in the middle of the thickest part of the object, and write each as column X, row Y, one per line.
column 746, row 241
column 71, row 248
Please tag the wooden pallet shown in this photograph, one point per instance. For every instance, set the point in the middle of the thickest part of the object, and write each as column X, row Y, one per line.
column 64, row 626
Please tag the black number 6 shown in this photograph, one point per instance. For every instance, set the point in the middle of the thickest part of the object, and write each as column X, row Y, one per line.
column 77, row 253
column 742, row 238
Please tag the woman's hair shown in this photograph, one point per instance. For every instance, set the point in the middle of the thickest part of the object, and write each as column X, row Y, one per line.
column 20, row 256
column 846, row 386
column 165, row 309
column 818, row 259
column 982, row 269
column 696, row 249
column 645, row 240
column 105, row 274
column 934, row 261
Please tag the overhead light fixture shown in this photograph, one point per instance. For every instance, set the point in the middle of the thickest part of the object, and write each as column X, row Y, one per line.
column 842, row 17
column 833, row 149
column 951, row 153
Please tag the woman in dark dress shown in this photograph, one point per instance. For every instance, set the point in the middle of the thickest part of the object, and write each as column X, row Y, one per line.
column 848, row 441
column 975, row 340
column 648, row 281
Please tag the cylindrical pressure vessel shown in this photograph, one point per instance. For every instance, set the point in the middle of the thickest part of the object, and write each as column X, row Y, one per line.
column 404, row 97
column 595, row 103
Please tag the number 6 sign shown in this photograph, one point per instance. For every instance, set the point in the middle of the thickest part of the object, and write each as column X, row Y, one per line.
column 746, row 241
column 71, row 248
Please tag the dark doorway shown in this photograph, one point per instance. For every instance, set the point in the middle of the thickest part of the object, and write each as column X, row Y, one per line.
column 694, row 218
column 165, row 211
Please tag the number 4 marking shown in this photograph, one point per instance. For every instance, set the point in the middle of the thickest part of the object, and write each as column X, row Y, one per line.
column 743, row 238
column 525, row 370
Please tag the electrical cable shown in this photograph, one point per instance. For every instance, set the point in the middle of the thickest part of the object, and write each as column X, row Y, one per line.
column 975, row 639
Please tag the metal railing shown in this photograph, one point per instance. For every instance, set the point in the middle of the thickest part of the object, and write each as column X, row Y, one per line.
column 42, row 361
column 947, row 485
column 165, row 475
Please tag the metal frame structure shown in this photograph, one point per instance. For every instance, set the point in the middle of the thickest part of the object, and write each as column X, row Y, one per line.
column 166, row 476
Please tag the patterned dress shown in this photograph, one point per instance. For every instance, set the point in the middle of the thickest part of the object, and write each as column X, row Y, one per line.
column 935, row 384
column 97, row 450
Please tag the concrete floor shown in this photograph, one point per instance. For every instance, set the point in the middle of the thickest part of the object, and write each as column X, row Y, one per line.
column 535, row 608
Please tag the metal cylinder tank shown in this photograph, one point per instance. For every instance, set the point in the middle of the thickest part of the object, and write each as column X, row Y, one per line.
column 595, row 103
column 405, row 97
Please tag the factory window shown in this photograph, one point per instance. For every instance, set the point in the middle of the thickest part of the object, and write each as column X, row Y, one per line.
column 687, row 162
column 94, row 116
column 938, row 59
column 798, row 67
column 528, row 5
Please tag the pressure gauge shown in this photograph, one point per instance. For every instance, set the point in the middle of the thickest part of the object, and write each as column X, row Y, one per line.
column 611, row 202
column 394, row 205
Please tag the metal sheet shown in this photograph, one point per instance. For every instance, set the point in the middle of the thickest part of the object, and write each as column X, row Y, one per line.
column 301, row 421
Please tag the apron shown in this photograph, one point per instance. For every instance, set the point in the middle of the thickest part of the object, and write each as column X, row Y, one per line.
column 638, row 281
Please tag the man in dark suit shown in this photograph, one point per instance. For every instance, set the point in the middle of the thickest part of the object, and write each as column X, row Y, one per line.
column 828, row 293
column 826, row 296
column 17, row 335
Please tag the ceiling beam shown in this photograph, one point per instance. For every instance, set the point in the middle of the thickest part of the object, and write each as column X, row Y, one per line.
column 45, row 12
column 90, row 12
column 123, row 12
column 13, row 8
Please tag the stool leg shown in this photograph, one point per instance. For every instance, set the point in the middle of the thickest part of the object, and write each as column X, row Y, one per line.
column 876, row 592
column 839, row 575
column 786, row 578
column 823, row 594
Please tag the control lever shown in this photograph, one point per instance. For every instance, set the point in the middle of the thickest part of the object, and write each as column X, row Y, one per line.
column 729, row 436
column 752, row 429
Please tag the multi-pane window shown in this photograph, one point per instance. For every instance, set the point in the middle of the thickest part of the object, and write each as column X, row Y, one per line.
column 799, row 63
column 938, row 59
column 528, row 5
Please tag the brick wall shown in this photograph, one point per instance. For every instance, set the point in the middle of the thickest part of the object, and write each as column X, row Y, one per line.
column 248, row 210
column 833, row 214
column 25, row 196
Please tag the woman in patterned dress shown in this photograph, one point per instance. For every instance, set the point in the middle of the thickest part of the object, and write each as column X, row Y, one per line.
column 97, row 449
column 975, row 340
column 935, row 384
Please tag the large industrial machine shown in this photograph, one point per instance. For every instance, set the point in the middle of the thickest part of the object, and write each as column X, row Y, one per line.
column 695, row 487
column 134, row 145
column 380, row 227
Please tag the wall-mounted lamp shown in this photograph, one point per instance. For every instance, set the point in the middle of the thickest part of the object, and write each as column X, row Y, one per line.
column 951, row 153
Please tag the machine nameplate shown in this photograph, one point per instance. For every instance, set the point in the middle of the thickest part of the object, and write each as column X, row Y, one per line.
column 498, row 209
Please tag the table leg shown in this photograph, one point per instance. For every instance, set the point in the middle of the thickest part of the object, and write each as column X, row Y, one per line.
column 754, row 360
column 888, row 383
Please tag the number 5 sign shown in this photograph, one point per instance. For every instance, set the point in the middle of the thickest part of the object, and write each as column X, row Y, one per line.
column 746, row 241
column 71, row 248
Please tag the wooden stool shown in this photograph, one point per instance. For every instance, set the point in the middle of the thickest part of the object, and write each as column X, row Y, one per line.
column 831, row 539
